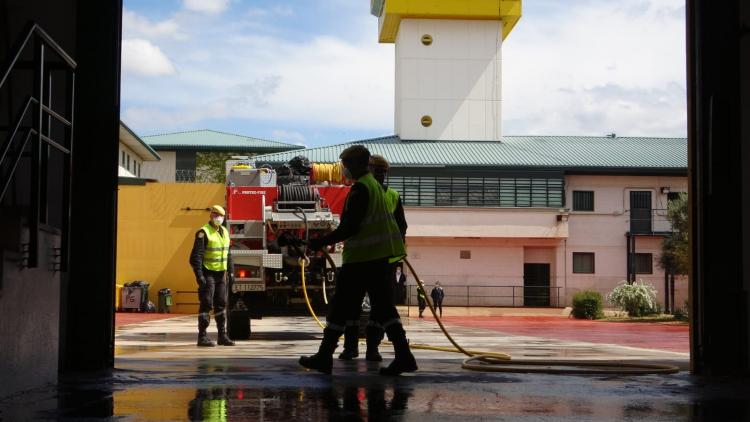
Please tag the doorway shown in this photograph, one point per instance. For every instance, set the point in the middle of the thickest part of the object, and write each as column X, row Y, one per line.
column 536, row 284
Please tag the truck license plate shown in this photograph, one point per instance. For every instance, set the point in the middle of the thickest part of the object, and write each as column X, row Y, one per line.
column 249, row 288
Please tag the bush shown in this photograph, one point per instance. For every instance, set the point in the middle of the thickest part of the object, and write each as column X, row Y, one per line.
column 587, row 305
column 681, row 314
column 638, row 299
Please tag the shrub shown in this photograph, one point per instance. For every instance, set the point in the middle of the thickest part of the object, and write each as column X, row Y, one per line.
column 637, row 299
column 587, row 305
column 681, row 314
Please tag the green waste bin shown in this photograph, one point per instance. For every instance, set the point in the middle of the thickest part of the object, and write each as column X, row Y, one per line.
column 165, row 300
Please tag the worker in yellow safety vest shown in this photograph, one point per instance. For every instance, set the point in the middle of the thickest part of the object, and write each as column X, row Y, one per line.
column 374, row 332
column 371, row 238
column 211, row 261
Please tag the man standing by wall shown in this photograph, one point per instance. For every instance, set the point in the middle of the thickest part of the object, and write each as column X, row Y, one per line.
column 438, row 295
column 210, row 261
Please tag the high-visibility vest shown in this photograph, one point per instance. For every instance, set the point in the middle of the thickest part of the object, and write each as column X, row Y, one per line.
column 378, row 235
column 217, row 250
column 391, row 198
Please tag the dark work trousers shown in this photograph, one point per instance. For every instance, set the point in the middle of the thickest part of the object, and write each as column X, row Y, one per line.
column 213, row 294
column 356, row 279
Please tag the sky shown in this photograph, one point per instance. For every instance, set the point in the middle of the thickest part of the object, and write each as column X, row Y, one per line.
column 313, row 73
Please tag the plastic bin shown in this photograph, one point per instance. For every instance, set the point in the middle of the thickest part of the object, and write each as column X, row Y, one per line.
column 165, row 300
column 135, row 296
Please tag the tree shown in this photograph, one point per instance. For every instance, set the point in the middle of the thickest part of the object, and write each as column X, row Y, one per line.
column 211, row 166
column 674, row 256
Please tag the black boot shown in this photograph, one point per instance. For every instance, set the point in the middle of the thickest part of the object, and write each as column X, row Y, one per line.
column 204, row 341
column 351, row 343
column 374, row 337
column 323, row 360
column 224, row 339
column 404, row 361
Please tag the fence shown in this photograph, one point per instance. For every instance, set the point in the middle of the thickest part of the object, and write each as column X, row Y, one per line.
column 495, row 296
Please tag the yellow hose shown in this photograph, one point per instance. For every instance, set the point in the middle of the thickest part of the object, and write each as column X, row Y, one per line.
column 327, row 172
column 302, row 262
column 502, row 362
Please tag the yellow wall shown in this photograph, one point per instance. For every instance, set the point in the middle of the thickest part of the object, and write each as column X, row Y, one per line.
column 155, row 236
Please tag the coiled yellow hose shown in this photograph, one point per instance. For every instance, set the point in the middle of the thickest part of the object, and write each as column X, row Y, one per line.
column 327, row 172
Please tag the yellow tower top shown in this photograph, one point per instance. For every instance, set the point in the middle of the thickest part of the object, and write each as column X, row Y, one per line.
column 390, row 13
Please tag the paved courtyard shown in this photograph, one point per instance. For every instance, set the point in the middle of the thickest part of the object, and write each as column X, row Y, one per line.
column 161, row 375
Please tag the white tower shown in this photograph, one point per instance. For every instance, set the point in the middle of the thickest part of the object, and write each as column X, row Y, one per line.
column 448, row 65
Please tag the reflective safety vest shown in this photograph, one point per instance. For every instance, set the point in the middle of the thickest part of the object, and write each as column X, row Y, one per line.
column 378, row 235
column 217, row 250
column 391, row 199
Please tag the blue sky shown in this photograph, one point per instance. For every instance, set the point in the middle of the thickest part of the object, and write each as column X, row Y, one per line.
column 312, row 72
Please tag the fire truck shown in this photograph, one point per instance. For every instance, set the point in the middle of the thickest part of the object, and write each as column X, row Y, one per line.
column 265, row 206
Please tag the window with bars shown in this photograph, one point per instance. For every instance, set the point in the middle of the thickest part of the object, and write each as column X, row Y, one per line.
column 508, row 192
column 583, row 263
column 583, row 200
column 644, row 263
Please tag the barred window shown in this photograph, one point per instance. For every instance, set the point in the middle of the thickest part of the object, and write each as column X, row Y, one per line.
column 509, row 192
column 583, row 200
column 644, row 263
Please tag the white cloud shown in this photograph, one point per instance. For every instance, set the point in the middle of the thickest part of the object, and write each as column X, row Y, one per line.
column 288, row 136
column 206, row 6
column 261, row 12
column 141, row 57
column 598, row 68
column 137, row 26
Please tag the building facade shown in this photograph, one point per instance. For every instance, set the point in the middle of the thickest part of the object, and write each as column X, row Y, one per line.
column 530, row 221
column 133, row 153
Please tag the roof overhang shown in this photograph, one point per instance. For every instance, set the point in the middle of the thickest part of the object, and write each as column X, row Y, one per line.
column 132, row 141
column 391, row 12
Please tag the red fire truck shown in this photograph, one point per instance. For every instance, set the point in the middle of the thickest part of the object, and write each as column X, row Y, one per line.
column 263, row 207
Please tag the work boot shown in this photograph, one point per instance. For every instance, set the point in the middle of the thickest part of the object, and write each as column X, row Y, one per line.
column 374, row 337
column 224, row 340
column 404, row 361
column 351, row 343
column 204, row 341
column 323, row 360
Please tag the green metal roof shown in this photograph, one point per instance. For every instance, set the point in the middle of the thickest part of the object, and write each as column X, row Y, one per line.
column 212, row 140
column 557, row 152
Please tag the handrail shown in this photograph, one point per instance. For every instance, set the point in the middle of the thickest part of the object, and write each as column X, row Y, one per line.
column 40, row 129
column 35, row 29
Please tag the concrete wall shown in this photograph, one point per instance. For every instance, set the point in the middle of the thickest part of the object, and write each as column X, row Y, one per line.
column 29, row 327
column 155, row 236
column 164, row 170
column 456, row 80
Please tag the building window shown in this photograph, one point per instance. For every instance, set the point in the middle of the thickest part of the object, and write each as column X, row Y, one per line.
column 139, row 169
column 644, row 263
column 465, row 254
column 459, row 191
column 123, row 158
column 128, row 167
column 583, row 200
column 583, row 262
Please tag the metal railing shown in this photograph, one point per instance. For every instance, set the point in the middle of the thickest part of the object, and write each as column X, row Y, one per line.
column 39, row 134
column 653, row 221
column 494, row 296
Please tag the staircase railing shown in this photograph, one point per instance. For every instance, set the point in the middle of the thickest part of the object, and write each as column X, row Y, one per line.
column 38, row 133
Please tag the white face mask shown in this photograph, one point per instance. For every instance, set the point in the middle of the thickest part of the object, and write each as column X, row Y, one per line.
column 218, row 220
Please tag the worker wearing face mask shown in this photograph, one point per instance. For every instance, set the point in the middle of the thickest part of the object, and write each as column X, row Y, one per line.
column 210, row 261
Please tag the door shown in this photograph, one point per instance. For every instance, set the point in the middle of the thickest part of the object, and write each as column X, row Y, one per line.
column 536, row 284
column 640, row 212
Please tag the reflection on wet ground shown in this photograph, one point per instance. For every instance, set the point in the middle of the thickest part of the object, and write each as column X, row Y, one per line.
column 161, row 375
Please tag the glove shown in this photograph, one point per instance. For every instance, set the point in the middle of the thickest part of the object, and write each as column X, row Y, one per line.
column 315, row 245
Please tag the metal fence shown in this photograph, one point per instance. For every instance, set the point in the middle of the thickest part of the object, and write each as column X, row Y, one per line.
column 192, row 176
column 494, row 296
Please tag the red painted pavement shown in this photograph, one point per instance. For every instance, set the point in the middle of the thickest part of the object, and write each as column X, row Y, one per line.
column 674, row 338
column 127, row 318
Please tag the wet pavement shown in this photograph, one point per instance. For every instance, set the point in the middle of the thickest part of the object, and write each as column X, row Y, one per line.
column 161, row 375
